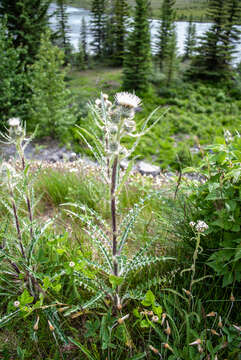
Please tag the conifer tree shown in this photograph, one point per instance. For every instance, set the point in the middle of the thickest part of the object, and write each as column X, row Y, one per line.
column 12, row 78
column 165, row 32
column 170, row 63
column 213, row 60
column 26, row 21
column 231, row 34
column 137, row 60
column 63, row 40
column 121, row 14
column 51, row 106
column 83, row 39
column 98, row 24
column 190, row 40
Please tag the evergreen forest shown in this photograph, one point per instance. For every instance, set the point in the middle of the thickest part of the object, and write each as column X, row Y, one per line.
column 120, row 180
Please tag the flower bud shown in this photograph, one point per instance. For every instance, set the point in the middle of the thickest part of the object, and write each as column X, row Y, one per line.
column 113, row 130
column 35, row 327
column 121, row 320
column 153, row 349
column 51, row 327
column 113, row 147
column 129, row 126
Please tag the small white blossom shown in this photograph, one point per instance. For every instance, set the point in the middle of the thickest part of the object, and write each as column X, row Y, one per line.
column 201, row 226
column 14, row 122
column 128, row 100
column 16, row 303
column 72, row 264
column 155, row 318
column 192, row 224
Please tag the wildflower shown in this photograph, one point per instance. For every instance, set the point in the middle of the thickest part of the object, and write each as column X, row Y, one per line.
column 16, row 303
column 200, row 349
column 14, row 122
column 128, row 100
column 192, row 224
column 51, row 327
column 35, row 327
column 201, row 226
column 121, row 320
column 155, row 318
column 72, row 264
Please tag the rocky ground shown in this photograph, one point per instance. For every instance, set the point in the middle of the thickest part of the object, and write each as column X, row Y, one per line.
column 50, row 154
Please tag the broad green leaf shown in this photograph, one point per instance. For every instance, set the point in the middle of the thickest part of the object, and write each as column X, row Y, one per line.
column 149, row 299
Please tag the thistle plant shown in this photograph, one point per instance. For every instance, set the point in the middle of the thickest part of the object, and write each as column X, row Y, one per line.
column 115, row 121
column 17, row 251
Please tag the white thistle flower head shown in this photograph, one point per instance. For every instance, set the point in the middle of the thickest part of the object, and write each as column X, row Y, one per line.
column 14, row 122
column 128, row 100
column 16, row 303
column 72, row 264
column 201, row 226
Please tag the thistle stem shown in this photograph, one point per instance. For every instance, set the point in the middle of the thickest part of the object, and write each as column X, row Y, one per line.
column 113, row 216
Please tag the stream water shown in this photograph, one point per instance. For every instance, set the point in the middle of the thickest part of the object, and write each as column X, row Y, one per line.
column 75, row 17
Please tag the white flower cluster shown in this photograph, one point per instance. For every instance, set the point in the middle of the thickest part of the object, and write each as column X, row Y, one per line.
column 200, row 226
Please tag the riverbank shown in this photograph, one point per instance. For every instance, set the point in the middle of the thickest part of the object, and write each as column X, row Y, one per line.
column 184, row 8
